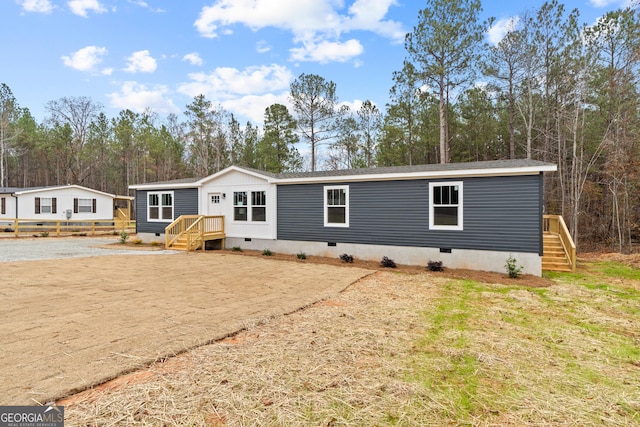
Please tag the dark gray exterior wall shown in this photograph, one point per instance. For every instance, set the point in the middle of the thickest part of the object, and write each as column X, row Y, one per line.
column 185, row 202
column 500, row 213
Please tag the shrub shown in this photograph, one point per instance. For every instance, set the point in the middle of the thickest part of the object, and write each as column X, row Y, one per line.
column 137, row 242
column 346, row 258
column 124, row 236
column 302, row 255
column 267, row 252
column 435, row 266
column 513, row 270
column 236, row 249
column 155, row 243
column 44, row 234
column 387, row 263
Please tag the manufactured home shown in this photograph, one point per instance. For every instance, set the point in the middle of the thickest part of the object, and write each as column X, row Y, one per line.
column 60, row 203
column 467, row 215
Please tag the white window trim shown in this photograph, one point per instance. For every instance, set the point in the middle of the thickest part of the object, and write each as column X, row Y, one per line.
column 159, row 194
column 247, row 206
column 458, row 227
column 88, row 205
column 326, row 206
column 258, row 206
column 49, row 206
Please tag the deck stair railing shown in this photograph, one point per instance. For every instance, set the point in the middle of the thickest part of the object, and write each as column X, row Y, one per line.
column 559, row 248
column 189, row 232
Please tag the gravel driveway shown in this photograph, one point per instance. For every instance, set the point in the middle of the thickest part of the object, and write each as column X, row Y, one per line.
column 27, row 249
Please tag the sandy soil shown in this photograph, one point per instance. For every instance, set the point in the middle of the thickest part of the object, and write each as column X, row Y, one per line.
column 69, row 324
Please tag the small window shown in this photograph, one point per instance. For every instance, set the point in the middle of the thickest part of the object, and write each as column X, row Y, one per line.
column 215, row 199
column 336, row 206
column 3, row 206
column 85, row 205
column 258, row 206
column 240, row 206
column 445, row 207
column 160, row 207
column 46, row 204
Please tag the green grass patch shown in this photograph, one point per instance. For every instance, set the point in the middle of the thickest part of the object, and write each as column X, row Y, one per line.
column 495, row 349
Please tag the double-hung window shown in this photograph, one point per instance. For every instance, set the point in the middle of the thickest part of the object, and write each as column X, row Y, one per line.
column 46, row 205
column 160, row 206
column 336, row 206
column 250, row 206
column 258, row 206
column 84, row 205
column 445, row 207
column 240, row 206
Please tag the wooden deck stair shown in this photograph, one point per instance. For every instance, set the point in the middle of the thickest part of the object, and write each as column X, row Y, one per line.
column 554, row 258
column 559, row 251
column 191, row 232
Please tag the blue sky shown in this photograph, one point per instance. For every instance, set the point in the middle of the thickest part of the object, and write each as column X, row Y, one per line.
column 241, row 54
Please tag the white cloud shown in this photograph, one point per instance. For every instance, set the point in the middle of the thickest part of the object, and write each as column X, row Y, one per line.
column 252, row 106
column 85, row 59
column 326, row 51
column 603, row 3
column 193, row 58
column 500, row 28
column 39, row 6
column 141, row 62
column 228, row 83
column 81, row 7
column 138, row 97
column 313, row 23
column 263, row 47
column 369, row 15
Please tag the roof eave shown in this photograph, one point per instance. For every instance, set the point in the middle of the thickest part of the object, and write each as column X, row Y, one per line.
column 444, row 174
column 166, row 185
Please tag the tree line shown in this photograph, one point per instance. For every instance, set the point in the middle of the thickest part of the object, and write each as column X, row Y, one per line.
column 552, row 89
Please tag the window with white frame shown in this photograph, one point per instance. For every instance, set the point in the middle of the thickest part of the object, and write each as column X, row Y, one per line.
column 336, row 206
column 85, row 206
column 258, row 206
column 445, row 207
column 46, row 204
column 160, row 206
column 240, row 206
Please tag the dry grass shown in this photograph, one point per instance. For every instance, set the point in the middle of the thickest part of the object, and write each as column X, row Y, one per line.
column 406, row 349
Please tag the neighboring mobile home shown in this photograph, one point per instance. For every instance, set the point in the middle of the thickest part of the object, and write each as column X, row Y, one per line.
column 467, row 215
column 67, row 202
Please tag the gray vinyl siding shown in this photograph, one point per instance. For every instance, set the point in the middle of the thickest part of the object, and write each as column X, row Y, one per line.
column 500, row 213
column 185, row 202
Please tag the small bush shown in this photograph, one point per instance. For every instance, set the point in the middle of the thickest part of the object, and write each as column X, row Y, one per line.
column 44, row 234
column 387, row 263
column 346, row 258
column 435, row 266
column 267, row 252
column 137, row 242
column 302, row 255
column 156, row 243
column 236, row 249
column 115, row 232
column 124, row 236
column 513, row 270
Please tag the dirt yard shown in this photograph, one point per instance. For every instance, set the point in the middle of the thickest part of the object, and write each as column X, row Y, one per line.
column 69, row 324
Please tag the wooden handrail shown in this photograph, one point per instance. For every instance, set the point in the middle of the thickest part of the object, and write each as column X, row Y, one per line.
column 173, row 231
column 555, row 224
column 59, row 227
column 192, row 226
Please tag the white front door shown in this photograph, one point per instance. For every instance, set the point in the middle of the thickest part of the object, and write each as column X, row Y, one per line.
column 215, row 204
